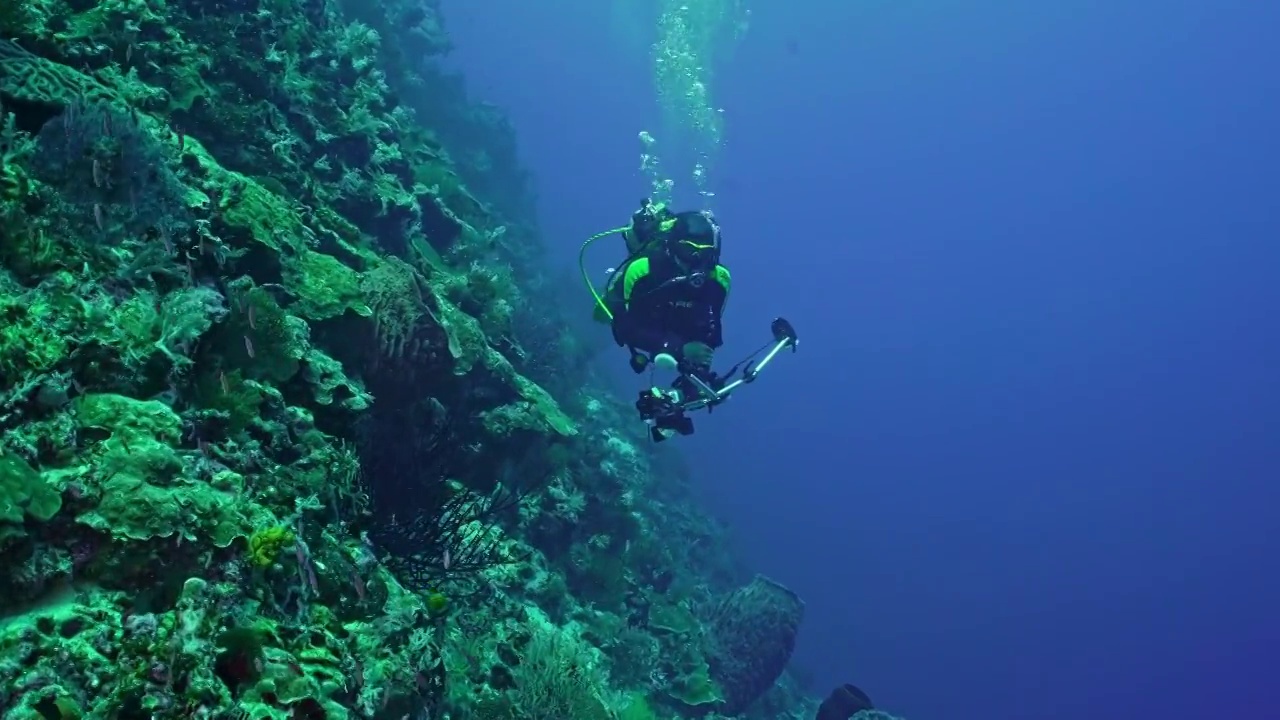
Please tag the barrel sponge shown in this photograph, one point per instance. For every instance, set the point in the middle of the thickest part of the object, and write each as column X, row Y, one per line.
column 752, row 634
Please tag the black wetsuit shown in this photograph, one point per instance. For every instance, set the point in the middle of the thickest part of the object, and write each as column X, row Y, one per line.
column 660, row 316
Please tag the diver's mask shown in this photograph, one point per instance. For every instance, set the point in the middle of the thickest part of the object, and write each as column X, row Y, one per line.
column 697, row 249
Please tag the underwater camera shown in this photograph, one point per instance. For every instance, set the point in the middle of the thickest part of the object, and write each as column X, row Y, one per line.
column 666, row 411
column 664, row 414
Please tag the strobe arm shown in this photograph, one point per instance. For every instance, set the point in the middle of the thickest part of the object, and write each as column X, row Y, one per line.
column 784, row 336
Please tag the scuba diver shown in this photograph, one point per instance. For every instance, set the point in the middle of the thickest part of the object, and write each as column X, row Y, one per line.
column 667, row 298
column 665, row 304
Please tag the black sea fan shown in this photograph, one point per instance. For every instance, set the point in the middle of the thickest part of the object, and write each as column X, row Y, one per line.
column 107, row 160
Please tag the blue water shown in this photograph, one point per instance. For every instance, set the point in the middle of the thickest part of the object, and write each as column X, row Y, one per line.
column 1026, row 463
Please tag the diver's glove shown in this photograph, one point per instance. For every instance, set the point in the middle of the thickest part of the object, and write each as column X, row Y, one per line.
column 698, row 355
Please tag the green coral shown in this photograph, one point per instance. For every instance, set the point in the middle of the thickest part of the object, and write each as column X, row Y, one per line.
column 559, row 676
column 144, row 324
column 330, row 383
column 232, row 394
column 437, row 604
column 324, row 286
column 695, row 688
column 14, row 15
column 242, row 653
column 469, row 347
column 23, row 492
column 676, row 619
column 31, row 78
column 271, row 343
column 264, row 216
column 265, row 545
column 134, row 509
column 184, row 316
column 393, row 291
column 637, row 708
column 144, row 494
column 39, row 327
column 128, row 418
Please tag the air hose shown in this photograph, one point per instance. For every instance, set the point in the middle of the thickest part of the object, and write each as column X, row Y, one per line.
column 586, row 276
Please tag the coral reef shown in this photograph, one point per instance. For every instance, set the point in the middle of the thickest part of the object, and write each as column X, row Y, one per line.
column 280, row 436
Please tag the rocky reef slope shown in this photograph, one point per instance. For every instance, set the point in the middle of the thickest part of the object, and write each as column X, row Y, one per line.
column 293, row 426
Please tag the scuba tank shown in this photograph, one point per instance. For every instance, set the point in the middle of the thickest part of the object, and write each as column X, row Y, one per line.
column 648, row 224
column 651, row 227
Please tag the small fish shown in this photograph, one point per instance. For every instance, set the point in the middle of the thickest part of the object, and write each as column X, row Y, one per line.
column 226, row 386
column 253, row 324
column 97, row 173
column 358, row 582
column 445, row 559
column 97, row 215
column 128, row 52
column 248, row 346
